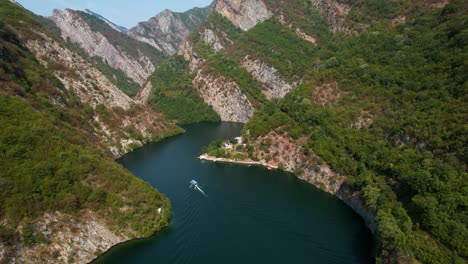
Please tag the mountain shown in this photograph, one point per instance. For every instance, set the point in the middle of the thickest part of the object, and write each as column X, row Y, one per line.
column 363, row 99
column 110, row 23
column 366, row 100
column 125, row 61
column 167, row 30
column 234, row 76
column 64, row 199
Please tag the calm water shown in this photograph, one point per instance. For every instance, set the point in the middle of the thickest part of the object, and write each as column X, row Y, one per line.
column 251, row 215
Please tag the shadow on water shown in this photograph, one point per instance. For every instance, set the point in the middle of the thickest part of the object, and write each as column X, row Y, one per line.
column 251, row 214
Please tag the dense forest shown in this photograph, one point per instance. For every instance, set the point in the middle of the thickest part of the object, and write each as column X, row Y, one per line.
column 383, row 101
column 386, row 106
column 50, row 157
column 410, row 163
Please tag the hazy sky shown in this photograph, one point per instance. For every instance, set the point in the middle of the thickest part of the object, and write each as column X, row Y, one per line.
column 122, row 12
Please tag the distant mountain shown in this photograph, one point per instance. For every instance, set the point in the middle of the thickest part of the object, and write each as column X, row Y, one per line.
column 110, row 23
column 136, row 60
column 167, row 30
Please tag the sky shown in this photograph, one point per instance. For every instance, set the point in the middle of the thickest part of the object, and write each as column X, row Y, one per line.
column 122, row 12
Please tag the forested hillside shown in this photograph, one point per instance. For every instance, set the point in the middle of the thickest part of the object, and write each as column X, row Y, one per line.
column 367, row 100
column 58, row 179
column 383, row 101
column 173, row 93
column 410, row 163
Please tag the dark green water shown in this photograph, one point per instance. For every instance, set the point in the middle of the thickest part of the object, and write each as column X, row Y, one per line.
column 251, row 214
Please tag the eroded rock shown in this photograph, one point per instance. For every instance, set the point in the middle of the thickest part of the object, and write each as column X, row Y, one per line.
column 245, row 14
column 224, row 96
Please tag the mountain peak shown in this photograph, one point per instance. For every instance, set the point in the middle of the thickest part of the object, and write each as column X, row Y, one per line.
column 110, row 23
column 245, row 14
column 166, row 30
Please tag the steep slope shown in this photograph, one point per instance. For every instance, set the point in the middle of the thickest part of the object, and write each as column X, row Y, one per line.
column 245, row 54
column 122, row 123
column 167, row 30
column 243, row 14
column 378, row 120
column 63, row 197
column 108, row 22
column 172, row 93
column 135, row 59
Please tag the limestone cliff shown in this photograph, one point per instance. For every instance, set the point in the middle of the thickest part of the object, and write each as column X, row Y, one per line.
column 144, row 93
column 167, row 30
column 210, row 38
column 70, row 240
column 187, row 51
column 245, row 14
column 334, row 12
column 224, row 96
column 117, row 116
column 134, row 64
column 275, row 85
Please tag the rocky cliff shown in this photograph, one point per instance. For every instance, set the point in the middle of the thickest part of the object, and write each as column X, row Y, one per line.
column 245, row 14
column 144, row 93
column 167, row 30
column 70, row 240
column 220, row 92
column 224, row 96
column 334, row 11
column 134, row 64
column 210, row 38
column 275, row 85
column 117, row 116
column 190, row 55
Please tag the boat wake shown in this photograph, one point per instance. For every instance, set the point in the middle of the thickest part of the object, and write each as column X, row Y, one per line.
column 194, row 184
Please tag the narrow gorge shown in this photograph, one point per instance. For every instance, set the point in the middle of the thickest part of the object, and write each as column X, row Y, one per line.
column 362, row 101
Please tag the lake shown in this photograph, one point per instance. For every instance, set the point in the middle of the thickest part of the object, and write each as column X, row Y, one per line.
column 251, row 214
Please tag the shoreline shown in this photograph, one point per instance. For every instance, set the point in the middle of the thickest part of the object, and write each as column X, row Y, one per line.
column 343, row 193
column 242, row 162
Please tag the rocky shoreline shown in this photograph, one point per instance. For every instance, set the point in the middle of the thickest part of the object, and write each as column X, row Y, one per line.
column 344, row 193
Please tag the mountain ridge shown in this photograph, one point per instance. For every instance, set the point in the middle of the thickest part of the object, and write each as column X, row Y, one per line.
column 363, row 99
column 110, row 23
column 167, row 29
column 63, row 123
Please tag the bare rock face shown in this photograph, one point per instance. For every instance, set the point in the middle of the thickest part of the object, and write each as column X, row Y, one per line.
column 210, row 38
column 87, row 82
column 93, row 88
column 144, row 93
column 224, row 96
column 290, row 157
column 334, row 12
column 276, row 86
column 73, row 27
column 186, row 50
column 245, row 14
column 77, row 240
column 167, row 30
